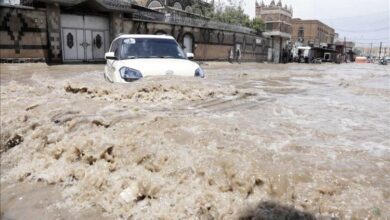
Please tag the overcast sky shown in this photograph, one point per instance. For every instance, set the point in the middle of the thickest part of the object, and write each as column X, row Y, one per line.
column 364, row 21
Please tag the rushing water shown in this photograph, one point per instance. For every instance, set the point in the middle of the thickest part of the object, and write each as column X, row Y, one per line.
column 312, row 137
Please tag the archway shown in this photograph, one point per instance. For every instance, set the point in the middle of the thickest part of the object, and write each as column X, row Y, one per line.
column 198, row 11
column 155, row 4
column 160, row 32
column 189, row 9
column 177, row 5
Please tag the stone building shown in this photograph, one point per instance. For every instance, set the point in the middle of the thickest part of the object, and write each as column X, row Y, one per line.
column 61, row 31
column 319, row 36
column 346, row 48
column 312, row 33
column 277, row 19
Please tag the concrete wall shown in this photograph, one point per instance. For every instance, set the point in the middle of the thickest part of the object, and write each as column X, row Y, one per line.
column 23, row 33
column 53, row 14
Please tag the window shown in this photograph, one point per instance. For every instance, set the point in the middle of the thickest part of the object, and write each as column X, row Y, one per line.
column 133, row 48
column 269, row 26
column 115, row 46
column 301, row 32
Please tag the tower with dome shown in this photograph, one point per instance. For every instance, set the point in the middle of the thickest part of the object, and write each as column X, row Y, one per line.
column 277, row 20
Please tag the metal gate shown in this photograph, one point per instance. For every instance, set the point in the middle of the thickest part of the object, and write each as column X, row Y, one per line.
column 84, row 38
column 188, row 43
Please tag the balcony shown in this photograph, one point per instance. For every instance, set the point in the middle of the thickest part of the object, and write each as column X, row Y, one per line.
column 188, row 20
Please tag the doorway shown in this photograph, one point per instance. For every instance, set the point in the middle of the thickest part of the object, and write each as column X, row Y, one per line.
column 188, row 43
column 84, row 38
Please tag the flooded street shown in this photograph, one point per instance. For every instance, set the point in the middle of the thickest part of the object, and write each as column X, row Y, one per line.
column 304, row 140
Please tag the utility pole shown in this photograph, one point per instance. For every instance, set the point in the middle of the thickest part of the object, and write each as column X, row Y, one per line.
column 371, row 50
column 380, row 50
column 345, row 49
column 345, row 44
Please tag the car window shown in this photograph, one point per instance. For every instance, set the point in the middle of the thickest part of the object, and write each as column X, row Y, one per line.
column 150, row 48
column 115, row 47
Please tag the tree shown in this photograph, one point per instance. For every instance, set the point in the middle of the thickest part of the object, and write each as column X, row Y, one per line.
column 257, row 24
column 232, row 15
column 231, row 12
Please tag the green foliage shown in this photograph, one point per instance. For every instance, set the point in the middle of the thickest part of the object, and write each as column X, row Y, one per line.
column 232, row 15
column 257, row 24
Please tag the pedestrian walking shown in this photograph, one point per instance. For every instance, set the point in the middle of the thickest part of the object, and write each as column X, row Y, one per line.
column 231, row 55
column 238, row 55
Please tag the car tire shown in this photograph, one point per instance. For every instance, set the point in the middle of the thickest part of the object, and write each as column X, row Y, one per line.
column 106, row 78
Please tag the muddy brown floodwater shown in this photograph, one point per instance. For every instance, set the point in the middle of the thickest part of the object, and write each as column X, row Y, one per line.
column 250, row 140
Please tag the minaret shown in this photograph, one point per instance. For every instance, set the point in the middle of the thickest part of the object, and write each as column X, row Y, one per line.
column 272, row 3
column 280, row 3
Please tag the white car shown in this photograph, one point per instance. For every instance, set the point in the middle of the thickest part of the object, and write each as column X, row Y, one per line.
column 132, row 57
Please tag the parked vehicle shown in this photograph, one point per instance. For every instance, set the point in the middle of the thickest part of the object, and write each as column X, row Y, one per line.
column 132, row 57
column 384, row 60
column 361, row 60
column 316, row 60
column 302, row 54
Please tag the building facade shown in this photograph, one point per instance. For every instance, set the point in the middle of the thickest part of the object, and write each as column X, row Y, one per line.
column 316, row 35
column 346, row 49
column 62, row 31
column 312, row 33
column 277, row 19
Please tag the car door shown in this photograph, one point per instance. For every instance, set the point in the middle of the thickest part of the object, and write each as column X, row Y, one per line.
column 111, row 63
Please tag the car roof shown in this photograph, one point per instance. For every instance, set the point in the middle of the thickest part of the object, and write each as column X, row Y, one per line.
column 146, row 36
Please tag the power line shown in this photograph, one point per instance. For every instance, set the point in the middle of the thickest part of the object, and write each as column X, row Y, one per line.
column 358, row 31
column 370, row 39
column 370, row 43
column 370, row 15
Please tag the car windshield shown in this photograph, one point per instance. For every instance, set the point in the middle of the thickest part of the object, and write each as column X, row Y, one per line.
column 133, row 48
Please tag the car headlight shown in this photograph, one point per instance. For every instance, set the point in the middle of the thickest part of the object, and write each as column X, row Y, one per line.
column 199, row 73
column 129, row 74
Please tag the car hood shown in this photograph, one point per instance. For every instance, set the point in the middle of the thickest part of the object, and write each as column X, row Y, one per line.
column 159, row 66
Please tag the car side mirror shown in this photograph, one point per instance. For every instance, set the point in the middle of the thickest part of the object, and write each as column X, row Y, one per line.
column 110, row 56
column 190, row 56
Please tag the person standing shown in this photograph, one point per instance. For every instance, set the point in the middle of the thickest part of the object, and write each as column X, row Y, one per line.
column 231, row 55
column 238, row 55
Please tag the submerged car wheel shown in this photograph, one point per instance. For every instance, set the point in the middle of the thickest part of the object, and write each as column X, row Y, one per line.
column 106, row 78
